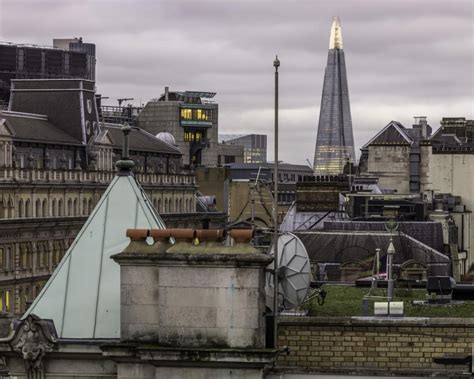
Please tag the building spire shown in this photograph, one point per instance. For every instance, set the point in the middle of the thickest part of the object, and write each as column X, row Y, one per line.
column 335, row 40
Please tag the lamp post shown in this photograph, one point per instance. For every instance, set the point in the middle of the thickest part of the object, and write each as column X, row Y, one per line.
column 276, row 64
column 390, row 253
column 391, row 225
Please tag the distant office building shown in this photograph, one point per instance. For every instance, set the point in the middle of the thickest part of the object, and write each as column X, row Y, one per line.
column 78, row 46
column 70, row 59
column 229, row 153
column 191, row 117
column 335, row 141
column 414, row 160
column 255, row 145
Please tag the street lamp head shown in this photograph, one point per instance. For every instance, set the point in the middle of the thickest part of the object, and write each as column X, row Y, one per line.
column 276, row 62
column 391, row 248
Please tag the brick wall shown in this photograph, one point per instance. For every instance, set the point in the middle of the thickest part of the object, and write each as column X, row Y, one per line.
column 408, row 344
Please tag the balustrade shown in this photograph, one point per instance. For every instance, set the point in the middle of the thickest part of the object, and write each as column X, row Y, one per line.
column 103, row 177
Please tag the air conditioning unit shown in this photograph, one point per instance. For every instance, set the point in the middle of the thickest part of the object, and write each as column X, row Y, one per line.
column 440, row 289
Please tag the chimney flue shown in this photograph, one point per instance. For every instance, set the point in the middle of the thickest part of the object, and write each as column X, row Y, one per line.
column 167, row 90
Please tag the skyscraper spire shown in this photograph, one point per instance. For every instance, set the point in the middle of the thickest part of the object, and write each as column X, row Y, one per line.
column 335, row 141
column 335, row 39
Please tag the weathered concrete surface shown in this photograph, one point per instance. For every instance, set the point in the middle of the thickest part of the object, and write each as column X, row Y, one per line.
column 131, row 370
column 199, row 296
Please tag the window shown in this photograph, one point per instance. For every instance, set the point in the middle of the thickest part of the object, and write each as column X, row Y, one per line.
column 8, row 259
column 23, row 258
column 45, row 262
column 2, row 259
column 191, row 136
column 38, row 208
column 186, row 114
column 28, row 208
column 196, row 114
column 45, row 208
column 5, row 300
column 229, row 159
column 21, row 210
column 202, row 114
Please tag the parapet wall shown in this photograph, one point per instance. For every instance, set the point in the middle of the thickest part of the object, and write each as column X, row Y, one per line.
column 368, row 344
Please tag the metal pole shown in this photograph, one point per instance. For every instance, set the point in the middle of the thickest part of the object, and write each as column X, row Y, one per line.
column 390, row 283
column 276, row 64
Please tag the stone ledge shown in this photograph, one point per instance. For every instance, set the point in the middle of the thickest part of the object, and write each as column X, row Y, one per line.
column 442, row 373
column 378, row 321
column 234, row 259
column 195, row 357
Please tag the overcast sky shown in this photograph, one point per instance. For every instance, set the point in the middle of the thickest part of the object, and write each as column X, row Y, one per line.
column 404, row 58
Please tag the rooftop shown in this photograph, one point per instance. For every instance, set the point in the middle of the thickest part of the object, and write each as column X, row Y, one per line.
column 82, row 297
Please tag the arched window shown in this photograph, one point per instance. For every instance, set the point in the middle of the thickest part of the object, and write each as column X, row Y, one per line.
column 69, row 207
column 45, row 208
column 180, row 205
column 158, row 208
column 84, row 207
column 11, row 213
column 4, row 210
column 8, row 259
column 176, row 205
column 76, row 210
column 38, row 208
column 166, row 205
column 90, row 206
column 21, row 209
column 28, row 208
column 2, row 259
column 60, row 207
column 54, row 208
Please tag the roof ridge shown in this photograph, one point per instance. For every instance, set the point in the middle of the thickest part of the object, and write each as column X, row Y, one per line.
column 35, row 116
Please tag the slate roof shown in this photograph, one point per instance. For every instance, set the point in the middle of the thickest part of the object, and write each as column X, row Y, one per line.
column 82, row 297
column 427, row 232
column 343, row 246
column 36, row 128
column 394, row 133
column 140, row 140
column 281, row 166
column 295, row 220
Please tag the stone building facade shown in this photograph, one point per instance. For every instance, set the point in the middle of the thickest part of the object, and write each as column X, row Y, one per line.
column 191, row 117
column 56, row 160
column 413, row 160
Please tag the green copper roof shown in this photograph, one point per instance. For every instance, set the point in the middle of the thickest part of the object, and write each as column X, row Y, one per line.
column 82, row 296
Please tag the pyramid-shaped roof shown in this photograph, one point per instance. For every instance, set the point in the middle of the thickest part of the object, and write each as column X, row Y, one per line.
column 394, row 133
column 82, row 296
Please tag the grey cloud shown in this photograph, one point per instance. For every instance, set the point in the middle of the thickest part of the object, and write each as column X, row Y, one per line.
column 403, row 57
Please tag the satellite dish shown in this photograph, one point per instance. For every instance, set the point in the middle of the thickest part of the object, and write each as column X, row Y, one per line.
column 294, row 273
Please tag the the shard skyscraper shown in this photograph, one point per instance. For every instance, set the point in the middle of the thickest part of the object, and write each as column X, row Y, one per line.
column 335, row 140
